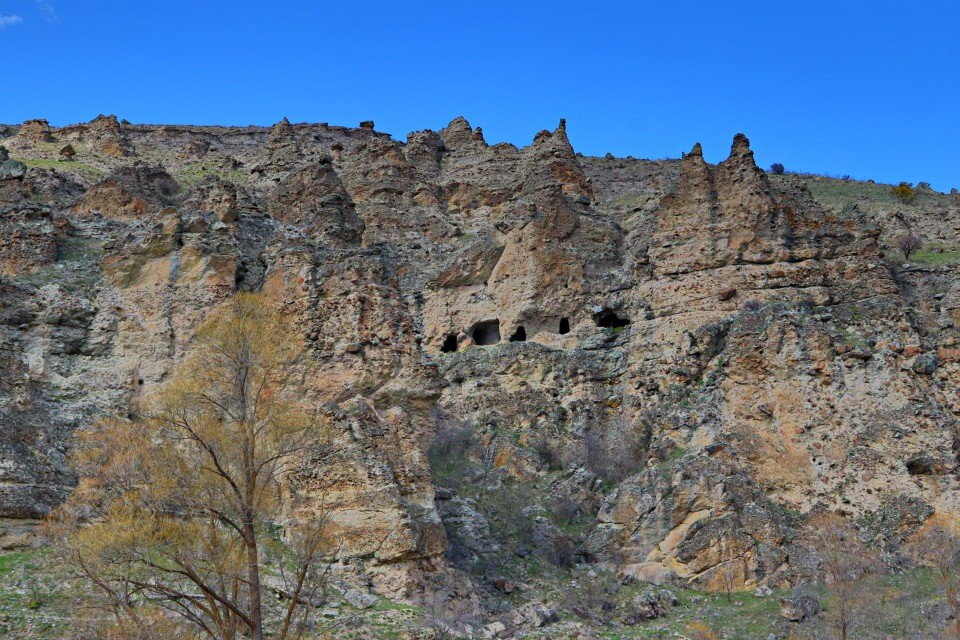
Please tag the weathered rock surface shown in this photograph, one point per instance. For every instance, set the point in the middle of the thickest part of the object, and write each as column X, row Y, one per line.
column 694, row 357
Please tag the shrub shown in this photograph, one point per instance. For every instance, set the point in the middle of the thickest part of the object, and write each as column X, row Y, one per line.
column 904, row 192
column 454, row 437
column 699, row 631
column 561, row 551
column 564, row 509
column 776, row 168
column 594, row 598
column 619, row 452
column 909, row 243
column 548, row 455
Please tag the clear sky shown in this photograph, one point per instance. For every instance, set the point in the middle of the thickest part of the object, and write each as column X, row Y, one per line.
column 865, row 88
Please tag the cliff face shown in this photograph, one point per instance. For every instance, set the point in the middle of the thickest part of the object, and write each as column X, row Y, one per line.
column 709, row 353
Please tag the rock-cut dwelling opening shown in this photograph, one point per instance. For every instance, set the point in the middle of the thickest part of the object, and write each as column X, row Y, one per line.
column 607, row 319
column 486, row 333
column 520, row 335
column 449, row 344
column 564, row 326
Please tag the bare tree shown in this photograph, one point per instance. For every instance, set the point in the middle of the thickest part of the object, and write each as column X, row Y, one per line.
column 730, row 576
column 941, row 550
column 845, row 565
column 909, row 243
column 181, row 506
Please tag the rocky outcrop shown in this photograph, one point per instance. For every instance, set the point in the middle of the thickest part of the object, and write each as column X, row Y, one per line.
column 686, row 360
column 30, row 239
column 314, row 199
column 129, row 193
column 34, row 132
column 106, row 135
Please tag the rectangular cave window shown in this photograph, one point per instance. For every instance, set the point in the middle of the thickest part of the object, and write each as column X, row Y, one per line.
column 607, row 319
column 520, row 335
column 564, row 326
column 450, row 344
column 486, row 333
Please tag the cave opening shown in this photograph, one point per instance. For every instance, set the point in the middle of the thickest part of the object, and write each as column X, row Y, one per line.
column 520, row 335
column 486, row 333
column 607, row 319
column 450, row 344
column 564, row 326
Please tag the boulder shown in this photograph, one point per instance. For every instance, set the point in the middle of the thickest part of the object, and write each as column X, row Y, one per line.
column 799, row 609
column 650, row 605
column 12, row 170
column 726, row 293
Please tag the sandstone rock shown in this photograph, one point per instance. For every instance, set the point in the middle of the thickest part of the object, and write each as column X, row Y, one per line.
column 726, row 294
column 472, row 266
column 911, row 350
column 108, row 137
column 457, row 134
column 314, row 199
column 129, row 193
column 701, row 434
column 216, row 196
column 33, row 132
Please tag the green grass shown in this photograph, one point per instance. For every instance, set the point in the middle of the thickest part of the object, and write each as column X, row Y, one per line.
column 37, row 600
column 91, row 173
column 847, row 197
column 936, row 255
column 32, row 601
column 191, row 174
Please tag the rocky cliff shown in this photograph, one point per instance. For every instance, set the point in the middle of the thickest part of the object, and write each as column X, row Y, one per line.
column 690, row 359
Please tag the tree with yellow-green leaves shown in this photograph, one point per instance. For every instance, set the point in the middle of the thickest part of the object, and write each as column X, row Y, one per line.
column 904, row 192
column 176, row 512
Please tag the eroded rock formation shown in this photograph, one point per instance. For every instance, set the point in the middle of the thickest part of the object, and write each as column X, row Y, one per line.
column 746, row 352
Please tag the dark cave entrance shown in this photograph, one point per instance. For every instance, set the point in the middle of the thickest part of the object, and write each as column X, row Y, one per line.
column 450, row 344
column 486, row 333
column 564, row 326
column 520, row 335
column 607, row 319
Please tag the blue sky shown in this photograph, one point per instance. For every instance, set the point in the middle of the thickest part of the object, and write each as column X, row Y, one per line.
column 869, row 89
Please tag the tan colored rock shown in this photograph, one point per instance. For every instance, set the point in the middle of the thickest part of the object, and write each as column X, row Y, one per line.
column 111, row 199
column 108, row 137
column 726, row 294
column 728, row 421
column 35, row 131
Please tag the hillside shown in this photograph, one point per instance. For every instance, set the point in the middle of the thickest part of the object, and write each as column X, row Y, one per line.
column 535, row 364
